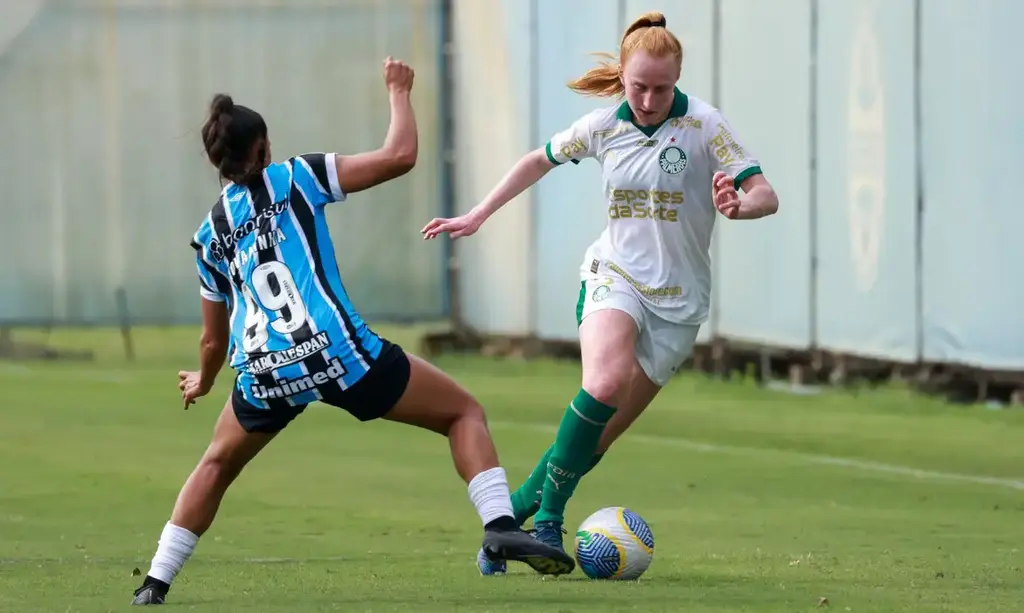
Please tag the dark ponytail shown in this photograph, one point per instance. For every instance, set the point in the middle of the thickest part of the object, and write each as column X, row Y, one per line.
column 229, row 134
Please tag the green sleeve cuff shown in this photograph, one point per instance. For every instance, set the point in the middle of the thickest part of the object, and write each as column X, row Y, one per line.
column 551, row 157
column 740, row 178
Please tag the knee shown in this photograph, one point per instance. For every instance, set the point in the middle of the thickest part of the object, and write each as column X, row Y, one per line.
column 607, row 387
column 220, row 466
column 468, row 413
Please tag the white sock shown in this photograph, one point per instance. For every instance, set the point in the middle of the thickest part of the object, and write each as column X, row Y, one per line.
column 175, row 547
column 489, row 493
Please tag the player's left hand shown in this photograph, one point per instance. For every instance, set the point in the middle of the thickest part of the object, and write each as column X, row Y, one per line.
column 192, row 386
column 724, row 195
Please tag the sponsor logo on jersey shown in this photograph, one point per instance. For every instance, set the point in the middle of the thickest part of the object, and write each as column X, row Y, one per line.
column 622, row 128
column 628, row 196
column 654, row 294
column 647, row 142
column 279, row 359
column 727, row 150
column 222, row 244
column 290, row 387
column 644, row 204
column 573, row 148
column 685, row 122
column 672, row 160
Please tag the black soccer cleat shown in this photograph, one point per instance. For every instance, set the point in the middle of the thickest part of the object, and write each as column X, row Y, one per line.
column 519, row 546
column 151, row 591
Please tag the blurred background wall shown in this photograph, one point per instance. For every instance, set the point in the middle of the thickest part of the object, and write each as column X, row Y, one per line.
column 879, row 122
column 889, row 129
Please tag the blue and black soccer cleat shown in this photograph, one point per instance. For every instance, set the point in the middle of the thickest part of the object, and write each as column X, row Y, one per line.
column 520, row 546
column 550, row 533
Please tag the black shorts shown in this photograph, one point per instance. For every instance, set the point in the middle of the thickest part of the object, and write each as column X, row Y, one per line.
column 370, row 398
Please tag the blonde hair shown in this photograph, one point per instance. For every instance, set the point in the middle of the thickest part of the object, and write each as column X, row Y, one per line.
column 647, row 33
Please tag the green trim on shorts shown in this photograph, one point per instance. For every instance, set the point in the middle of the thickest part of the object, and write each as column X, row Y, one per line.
column 579, row 303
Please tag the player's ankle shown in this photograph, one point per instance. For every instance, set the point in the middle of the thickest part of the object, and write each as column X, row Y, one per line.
column 503, row 523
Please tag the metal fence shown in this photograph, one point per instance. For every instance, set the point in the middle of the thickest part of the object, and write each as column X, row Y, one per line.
column 101, row 164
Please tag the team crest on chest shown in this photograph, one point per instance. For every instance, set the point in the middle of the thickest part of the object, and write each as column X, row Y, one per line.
column 672, row 160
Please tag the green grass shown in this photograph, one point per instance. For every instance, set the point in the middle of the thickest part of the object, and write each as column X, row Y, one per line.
column 759, row 501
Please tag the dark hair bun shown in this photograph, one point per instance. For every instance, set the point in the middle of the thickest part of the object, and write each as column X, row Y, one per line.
column 222, row 104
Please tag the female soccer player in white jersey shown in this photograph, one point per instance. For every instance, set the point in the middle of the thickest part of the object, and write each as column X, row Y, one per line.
column 669, row 161
column 273, row 296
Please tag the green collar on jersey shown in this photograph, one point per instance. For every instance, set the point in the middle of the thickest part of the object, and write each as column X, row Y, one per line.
column 679, row 106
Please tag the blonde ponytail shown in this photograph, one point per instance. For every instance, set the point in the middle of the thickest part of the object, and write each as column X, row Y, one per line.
column 647, row 32
column 603, row 80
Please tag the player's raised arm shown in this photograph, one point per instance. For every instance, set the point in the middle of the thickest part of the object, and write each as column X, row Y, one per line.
column 397, row 155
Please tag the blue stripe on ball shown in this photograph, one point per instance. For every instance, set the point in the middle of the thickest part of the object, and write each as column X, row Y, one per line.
column 598, row 555
column 639, row 527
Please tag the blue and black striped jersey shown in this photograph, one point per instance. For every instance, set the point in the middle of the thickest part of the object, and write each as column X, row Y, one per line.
column 266, row 251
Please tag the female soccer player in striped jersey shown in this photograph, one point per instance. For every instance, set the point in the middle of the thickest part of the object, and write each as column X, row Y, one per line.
column 669, row 161
column 273, row 298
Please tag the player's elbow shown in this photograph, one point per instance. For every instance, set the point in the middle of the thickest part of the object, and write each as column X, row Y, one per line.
column 771, row 201
column 404, row 160
column 213, row 340
column 402, row 157
column 213, row 345
column 538, row 159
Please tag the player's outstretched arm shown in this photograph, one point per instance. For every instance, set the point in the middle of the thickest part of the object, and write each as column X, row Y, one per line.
column 527, row 171
column 397, row 155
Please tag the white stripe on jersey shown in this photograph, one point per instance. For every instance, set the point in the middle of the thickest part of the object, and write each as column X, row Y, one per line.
column 332, row 177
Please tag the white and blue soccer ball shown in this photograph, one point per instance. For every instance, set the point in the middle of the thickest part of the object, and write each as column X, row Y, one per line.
column 614, row 543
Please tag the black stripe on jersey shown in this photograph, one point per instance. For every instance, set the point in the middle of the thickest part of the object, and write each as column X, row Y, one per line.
column 304, row 213
column 262, row 201
column 318, row 162
column 222, row 282
column 223, row 285
column 222, row 227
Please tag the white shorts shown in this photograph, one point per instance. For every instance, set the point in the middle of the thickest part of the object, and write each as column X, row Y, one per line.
column 661, row 346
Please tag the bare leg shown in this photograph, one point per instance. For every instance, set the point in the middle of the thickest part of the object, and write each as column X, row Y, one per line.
column 228, row 453
column 435, row 402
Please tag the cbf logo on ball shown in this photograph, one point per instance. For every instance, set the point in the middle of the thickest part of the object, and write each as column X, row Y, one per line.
column 672, row 160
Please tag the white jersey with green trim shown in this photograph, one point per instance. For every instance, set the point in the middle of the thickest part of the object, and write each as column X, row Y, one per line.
column 657, row 184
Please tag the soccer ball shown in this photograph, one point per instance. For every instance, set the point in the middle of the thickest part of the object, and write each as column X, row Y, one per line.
column 614, row 543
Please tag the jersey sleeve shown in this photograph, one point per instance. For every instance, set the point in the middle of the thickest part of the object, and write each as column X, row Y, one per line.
column 208, row 281
column 573, row 144
column 213, row 283
column 727, row 152
column 317, row 175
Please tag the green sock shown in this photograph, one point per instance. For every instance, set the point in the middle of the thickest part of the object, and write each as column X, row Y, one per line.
column 526, row 499
column 574, row 448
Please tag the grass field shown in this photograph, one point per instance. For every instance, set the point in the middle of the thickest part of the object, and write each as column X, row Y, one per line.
column 759, row 501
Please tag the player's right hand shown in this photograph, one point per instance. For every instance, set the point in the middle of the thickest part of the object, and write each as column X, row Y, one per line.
column 192, row 386
column 398, row 77
column 456, row 227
